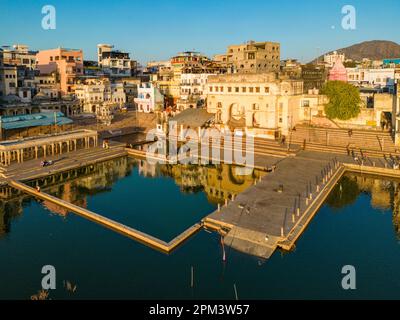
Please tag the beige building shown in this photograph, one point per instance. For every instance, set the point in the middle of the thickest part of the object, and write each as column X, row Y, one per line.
column 252, row 57
column 48, row 85
column 396, row 115
column 19, row 55
column 259, row 104
column 93, row 93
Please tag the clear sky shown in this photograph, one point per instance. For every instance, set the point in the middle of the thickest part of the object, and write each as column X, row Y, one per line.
column 158, row 29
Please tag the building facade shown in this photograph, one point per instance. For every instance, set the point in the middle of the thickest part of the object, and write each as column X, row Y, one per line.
column 150, row 98
column 382, row 78
column 115, row 63
column 331, row 58
column 252, row 57
column 259, row 104
column 67, row 63
column 19, row 55
column 94, row 93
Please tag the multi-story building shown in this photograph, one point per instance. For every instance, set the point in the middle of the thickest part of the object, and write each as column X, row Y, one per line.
column 290, row 68
column 153, row 67
column 194, row 86
column 313, row 76
column 94, row 93
column 68, row 63
column 259, row 104
column 2, row 89
column 115, row 63
column 131, row 85
column 252, row 57
column 396, row 114
column 48, row 85
column 375, row 78
column 19, row 55
column 8, row 80
column 331, row 58
column 391, row 63
column 150, row 98
column 168, row 85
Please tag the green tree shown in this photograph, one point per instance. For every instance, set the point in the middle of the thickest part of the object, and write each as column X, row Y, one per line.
column 344, row 100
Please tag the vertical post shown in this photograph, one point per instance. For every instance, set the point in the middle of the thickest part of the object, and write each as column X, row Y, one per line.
column 236, row 294
column 192, row 277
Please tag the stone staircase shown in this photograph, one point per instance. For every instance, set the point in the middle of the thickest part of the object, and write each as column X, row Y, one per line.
column 340, row 141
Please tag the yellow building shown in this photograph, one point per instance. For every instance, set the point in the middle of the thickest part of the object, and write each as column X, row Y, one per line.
column 259, row 104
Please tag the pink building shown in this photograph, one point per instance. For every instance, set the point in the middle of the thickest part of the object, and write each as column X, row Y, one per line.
column 67, row 62
column 338, row 72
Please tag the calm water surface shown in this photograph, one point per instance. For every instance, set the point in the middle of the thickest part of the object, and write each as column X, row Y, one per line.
column 358, row 225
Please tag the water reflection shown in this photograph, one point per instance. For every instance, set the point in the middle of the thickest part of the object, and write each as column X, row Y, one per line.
column 385, row 194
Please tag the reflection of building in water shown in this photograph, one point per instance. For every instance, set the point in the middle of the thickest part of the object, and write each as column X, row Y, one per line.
column 72, row 186
column 396, row 208
column 147, row 169
column 68, row 195
column 219, row 182
column 381, row 191
column 385, row 195
column 105, row 175
column 9, row 210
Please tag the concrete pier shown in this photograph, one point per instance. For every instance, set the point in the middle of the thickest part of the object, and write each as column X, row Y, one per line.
column 269, row 214
column 111, row 224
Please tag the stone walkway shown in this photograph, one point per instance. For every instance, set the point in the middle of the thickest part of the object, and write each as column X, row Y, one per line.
column 67, row 161
column 276, row 210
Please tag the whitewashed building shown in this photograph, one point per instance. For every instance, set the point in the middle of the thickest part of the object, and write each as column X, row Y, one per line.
column 331, row 58
column 374, row 78
column 114, row 63
column 149, row 98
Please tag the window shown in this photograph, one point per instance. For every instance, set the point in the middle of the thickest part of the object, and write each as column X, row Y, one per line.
column 221, row 89
column 229, row 89
column 257, row 89
column 306, row 103
column 211, row 89
column 57, row 58
column 51, row 58
column 216, row 89
column 236, row 89
column 244, row 89
column 251, row 89
column 266, row 89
